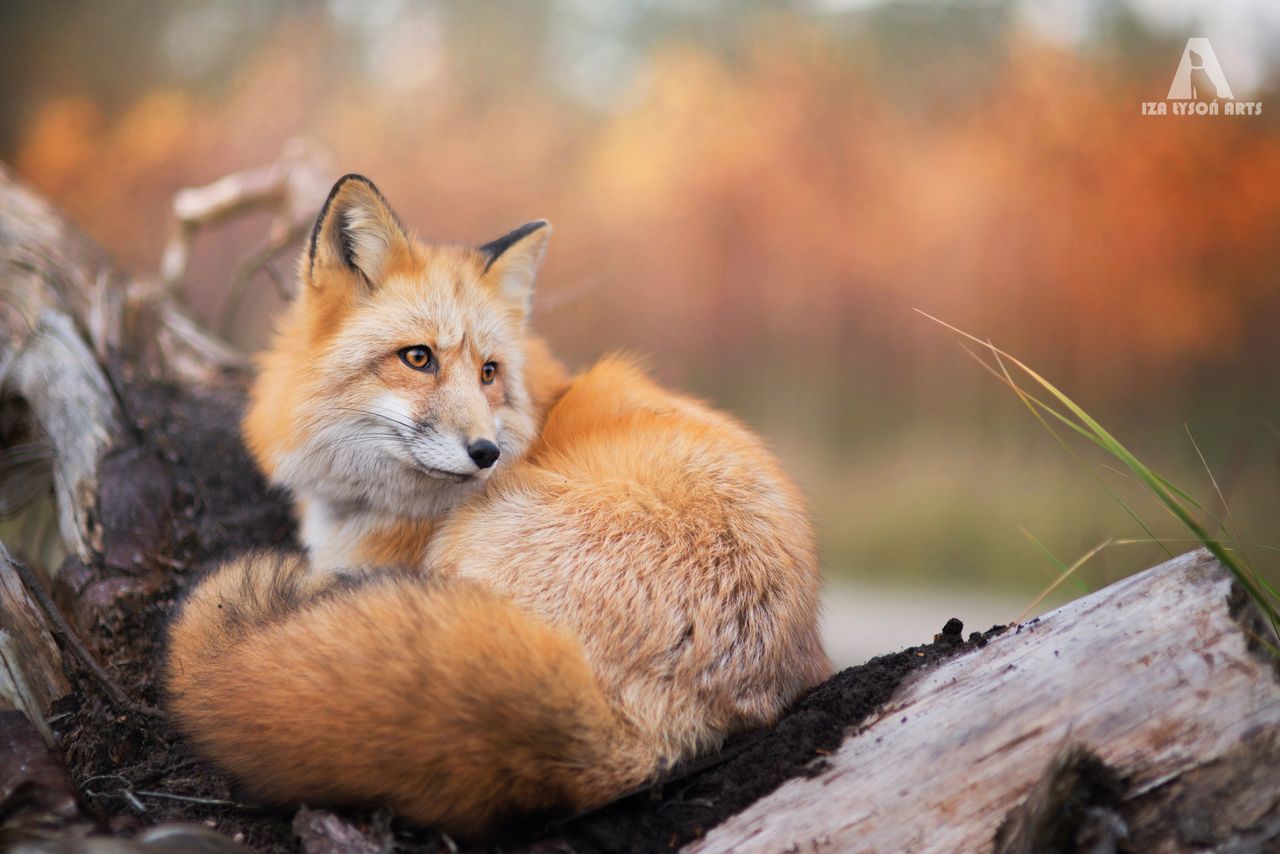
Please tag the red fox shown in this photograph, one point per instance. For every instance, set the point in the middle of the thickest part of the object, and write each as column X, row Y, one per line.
column 560, row 589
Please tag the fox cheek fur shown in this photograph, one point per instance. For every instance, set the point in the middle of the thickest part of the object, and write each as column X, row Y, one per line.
column 373, row 404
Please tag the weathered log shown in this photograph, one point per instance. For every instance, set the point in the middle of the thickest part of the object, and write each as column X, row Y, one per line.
column 80, row 346
column 1162, row 677
column 31, row 674
column 65, row 315
column 50, row 268
column 37, row 795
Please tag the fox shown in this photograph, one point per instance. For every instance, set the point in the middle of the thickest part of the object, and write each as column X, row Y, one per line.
column 523, row 592
column 373, row 445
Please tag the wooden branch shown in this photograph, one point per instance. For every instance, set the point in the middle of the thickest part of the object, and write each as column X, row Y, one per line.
column 70, row 397
column 38, row 798
column 1161, row 677
column 31, row 675
column 48, row 265
column 65, row 315
column 68, row 641
column 293, row 188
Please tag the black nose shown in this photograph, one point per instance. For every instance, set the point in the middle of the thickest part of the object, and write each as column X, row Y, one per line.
column 483, row 453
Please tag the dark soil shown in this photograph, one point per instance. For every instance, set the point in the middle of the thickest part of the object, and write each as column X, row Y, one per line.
column 217, row 506
column 210, row 503
column 754, row 764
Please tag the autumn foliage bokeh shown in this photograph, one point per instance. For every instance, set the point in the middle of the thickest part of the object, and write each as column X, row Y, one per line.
column 761, row 217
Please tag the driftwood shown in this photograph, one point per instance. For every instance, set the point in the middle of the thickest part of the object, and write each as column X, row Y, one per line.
column 1146, row 716
column 293, row 188
column 73, row 332
column 1162, row 678
column 31, row 674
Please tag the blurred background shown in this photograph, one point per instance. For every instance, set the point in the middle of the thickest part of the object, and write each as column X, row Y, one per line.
column 756, row 195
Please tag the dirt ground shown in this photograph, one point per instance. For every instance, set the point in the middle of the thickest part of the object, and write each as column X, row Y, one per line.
column 204, row 502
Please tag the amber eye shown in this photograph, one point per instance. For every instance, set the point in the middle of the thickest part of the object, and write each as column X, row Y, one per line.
column 488, row 372
column 418, row 357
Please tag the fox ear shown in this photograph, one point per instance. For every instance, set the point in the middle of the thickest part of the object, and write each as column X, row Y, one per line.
column 512, row 261
column 356, row 231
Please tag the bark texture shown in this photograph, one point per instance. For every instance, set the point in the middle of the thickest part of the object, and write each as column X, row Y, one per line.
column 1160, row 678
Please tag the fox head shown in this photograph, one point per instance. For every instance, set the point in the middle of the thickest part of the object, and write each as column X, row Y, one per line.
column 396, row 382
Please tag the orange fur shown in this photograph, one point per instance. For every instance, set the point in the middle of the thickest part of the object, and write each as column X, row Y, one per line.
column 666, row 537
column 630, row 586
column 401, row 543
column 376, row 694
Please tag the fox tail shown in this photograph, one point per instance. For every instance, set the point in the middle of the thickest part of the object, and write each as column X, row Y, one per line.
column 441, row 699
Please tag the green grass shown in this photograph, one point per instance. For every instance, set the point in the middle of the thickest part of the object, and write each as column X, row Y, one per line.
column 1055, row 410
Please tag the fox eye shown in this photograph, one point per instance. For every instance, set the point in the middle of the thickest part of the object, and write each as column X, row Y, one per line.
column 418, row 357
column 488, row 372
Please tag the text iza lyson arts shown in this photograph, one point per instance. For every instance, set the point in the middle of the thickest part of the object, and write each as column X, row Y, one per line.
column 1200, row 88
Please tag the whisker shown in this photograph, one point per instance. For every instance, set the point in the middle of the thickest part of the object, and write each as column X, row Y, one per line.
column 371, row 438
column 382, row 417
column 385, row 416
column 381, row 411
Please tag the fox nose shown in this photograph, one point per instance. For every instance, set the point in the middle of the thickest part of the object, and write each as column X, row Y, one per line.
column 483, row 453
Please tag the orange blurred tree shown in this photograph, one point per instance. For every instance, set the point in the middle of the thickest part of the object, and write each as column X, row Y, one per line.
column 770, row 211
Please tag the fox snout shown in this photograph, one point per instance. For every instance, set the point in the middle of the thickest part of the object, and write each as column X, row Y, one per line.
column 483, row 453
column 444, row 453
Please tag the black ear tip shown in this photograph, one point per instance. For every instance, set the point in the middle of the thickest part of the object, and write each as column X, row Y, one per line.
column 537, row 225
column 494, row 248
column 352, row 177
column 328, row 203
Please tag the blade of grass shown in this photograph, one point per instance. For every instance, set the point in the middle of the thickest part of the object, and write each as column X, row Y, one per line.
column 1248, row 562
column 1071, row 451
column 1145, row 474
column 1226, row 508
column 1061, row 578
column 1062, row 567
column 1121, row 473
column 1079, row 430
column 1153, row 482
column 1132, row 540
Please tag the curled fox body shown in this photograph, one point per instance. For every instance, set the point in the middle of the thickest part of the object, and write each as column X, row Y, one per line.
column 627, row 580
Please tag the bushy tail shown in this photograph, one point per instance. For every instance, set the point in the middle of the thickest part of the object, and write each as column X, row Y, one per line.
column 441, row 699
